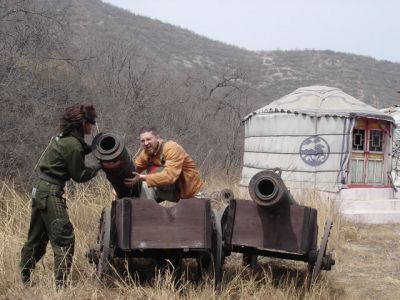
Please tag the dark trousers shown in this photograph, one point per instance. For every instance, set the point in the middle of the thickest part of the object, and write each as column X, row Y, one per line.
column 49, row 222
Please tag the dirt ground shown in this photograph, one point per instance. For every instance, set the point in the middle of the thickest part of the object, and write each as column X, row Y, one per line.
column 368, row 263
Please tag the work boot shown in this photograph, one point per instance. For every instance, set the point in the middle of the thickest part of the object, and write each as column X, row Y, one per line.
column 26, row 276
column 60, row 284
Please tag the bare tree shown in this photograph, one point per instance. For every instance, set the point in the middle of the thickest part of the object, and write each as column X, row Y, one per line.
column 32, row 34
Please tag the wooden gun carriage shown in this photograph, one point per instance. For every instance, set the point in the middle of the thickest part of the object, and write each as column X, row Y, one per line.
column 137, row 228
column 274, row 225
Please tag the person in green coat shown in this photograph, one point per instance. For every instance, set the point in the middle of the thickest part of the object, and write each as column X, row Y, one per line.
column 64, row 159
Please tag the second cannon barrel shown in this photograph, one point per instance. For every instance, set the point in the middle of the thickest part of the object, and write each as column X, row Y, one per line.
column 267, row 189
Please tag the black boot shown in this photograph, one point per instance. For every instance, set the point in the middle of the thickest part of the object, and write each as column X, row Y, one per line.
column 60, row 284
column 26, row 276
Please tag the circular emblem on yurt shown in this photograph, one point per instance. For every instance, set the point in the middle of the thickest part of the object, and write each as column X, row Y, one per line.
column 314, row 151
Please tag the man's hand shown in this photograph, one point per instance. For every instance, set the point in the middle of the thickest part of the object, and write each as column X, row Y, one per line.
column 114, row 193
column 130, row 182
column 111, row 164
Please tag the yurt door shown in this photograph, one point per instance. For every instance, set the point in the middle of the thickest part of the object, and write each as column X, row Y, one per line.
column 367, row 157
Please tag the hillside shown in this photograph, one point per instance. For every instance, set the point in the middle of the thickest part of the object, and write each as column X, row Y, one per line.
column 139, row 71
column 271, row 73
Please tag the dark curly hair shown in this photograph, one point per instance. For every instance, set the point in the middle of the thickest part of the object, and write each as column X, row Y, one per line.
column 74, row 116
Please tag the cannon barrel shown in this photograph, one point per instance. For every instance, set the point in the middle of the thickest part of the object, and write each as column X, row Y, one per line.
column 110, row 147
column 267, row 189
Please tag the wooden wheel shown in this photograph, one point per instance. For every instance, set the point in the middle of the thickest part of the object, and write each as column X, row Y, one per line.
column 213, row 261
column 316, row 269
column 216, row 249
column 103, row 265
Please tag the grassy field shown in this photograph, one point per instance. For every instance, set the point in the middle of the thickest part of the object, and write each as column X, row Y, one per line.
column 367, row 259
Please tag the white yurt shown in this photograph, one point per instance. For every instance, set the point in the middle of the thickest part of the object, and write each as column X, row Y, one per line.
column 394, row 112
column 323, row 140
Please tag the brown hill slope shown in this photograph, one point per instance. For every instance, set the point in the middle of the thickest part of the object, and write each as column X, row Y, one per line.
column 271, row 73
column 141, row 71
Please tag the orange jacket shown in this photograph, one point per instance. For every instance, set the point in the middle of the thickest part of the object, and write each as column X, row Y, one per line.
column 178, row 166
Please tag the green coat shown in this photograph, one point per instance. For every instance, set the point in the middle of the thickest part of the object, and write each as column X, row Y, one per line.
column 63, row 159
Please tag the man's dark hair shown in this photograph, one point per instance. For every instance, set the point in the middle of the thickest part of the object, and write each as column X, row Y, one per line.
column 74, row 116
column 151, row 129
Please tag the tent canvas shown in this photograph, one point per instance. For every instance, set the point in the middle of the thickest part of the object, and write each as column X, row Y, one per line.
column 394, row 112
column 308, row 134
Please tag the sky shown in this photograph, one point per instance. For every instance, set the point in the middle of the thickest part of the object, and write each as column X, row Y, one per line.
column 365, row 27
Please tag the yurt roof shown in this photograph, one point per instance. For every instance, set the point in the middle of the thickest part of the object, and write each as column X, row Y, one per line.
column 321, row 101
column 394, row 112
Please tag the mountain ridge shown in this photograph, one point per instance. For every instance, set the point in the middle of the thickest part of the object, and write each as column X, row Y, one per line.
column 184, row 49
column 139, row 71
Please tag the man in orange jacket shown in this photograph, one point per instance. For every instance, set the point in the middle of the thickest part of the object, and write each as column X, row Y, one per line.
column 166, row 170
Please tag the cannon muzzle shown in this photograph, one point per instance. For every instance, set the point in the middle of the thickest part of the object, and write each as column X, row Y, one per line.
column 267, row 189
column 110, row 147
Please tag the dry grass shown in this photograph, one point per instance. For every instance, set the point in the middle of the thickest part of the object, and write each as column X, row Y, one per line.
column 364, row 254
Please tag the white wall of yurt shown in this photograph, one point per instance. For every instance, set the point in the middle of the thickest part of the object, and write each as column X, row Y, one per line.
column 394, row 112
column 308, row 135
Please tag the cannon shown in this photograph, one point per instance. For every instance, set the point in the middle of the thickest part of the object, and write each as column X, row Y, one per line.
column 134, row 228
column 109, row 147
column 274, row 225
